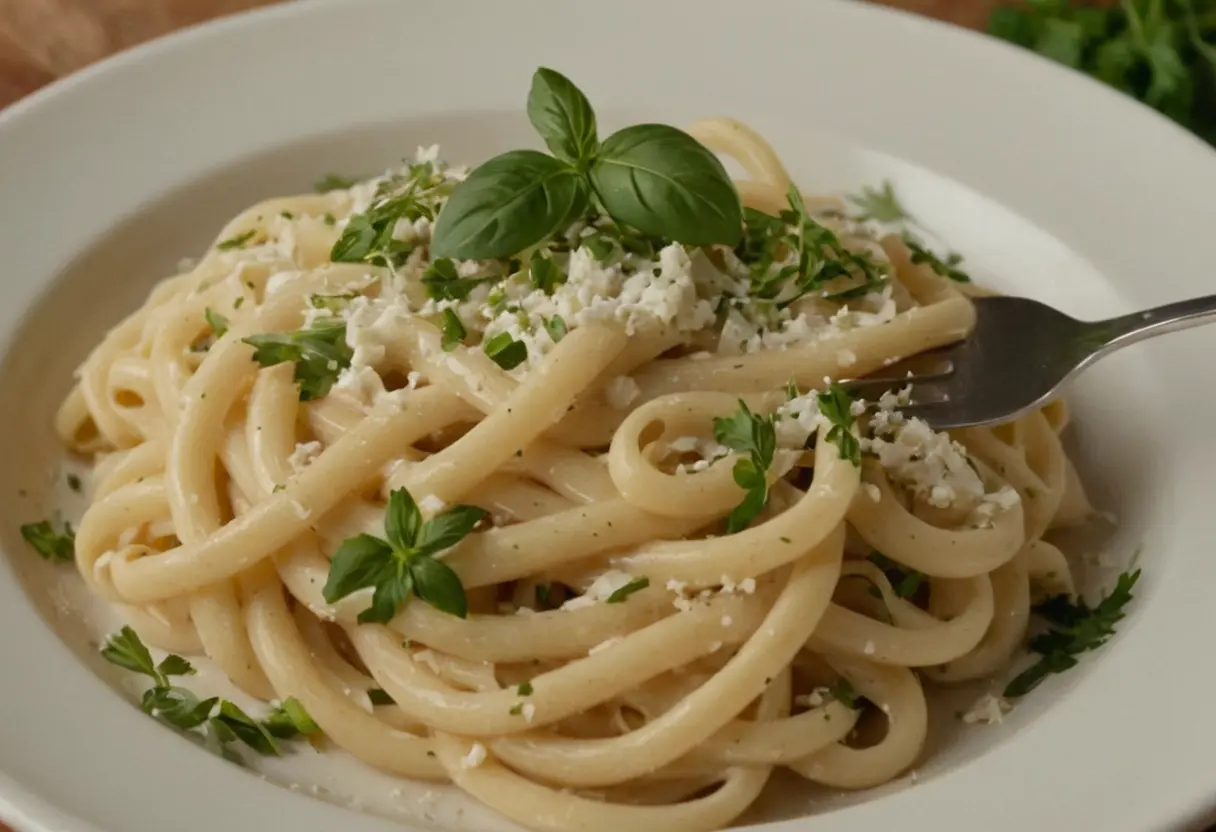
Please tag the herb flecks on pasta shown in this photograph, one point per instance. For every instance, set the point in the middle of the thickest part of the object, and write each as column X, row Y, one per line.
column 548, row 460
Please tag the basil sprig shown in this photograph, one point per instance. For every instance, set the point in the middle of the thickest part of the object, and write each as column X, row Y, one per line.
column 652, row 177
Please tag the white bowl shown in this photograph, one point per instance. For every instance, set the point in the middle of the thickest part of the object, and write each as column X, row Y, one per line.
column 1052, row 185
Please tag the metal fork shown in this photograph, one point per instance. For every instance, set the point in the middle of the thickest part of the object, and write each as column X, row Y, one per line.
column 1017, row 358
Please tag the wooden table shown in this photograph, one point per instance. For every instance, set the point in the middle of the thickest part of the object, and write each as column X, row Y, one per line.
column 42, row 40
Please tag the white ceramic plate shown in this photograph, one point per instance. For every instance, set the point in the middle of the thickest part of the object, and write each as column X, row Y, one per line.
column 1054, row 186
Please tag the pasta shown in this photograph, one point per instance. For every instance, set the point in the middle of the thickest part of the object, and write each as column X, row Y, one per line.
column 625, row 661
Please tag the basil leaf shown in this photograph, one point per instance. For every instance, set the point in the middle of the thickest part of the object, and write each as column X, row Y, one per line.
column 506, row 205
column 563, row 116
column 359, row 562
column 439, row 586
column 447, row 529
column 356, row 241
column 391, row 591
column 403, row 519
column 663, row 182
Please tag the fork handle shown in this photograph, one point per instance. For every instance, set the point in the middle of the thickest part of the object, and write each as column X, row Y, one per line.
column 1128, row 329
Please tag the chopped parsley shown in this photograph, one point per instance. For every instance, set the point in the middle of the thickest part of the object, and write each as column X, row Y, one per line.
column 1073, row 628
column 945, row 268
column 544, row 273
column 812, row 254
column 319, row 353
column 505, row 351
column 404, row 563
column 289, row 720
column 556, row 327
column 217, row 322
column 837, row 407
column 880, row 205
column 57, row 547
column 843, row 692
column 333, row 182
column 756, row 436
column 379, row 696
column 636, row 585
column 236, row 242
column 334, row 302
column 524, row 689
column 904, row 581
column 453, row 331
column 216, row 723
column 74, row 483
column 368, row 237
column 443, row 282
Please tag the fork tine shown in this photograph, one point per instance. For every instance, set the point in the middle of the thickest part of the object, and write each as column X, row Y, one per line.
column 921, row 371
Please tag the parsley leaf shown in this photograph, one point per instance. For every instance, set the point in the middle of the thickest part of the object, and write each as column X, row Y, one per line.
column 906, row 582
column 556, row 327
column 505, row 351
column 756, row 436
column 525, row 689
column 126, row 650
column 443, row 282
column 333, row 182
column 236, row 242
column 880, row 205
column 844, row 693
column 320, row 355
column 412, row 196
column 945, row 268
column 454, row 332
column 811, row 253
column 217, row 322
column 290, row 719
column 404, row 564
column 57, row 547
column 379, row 696
column 544, row 273
column 836, row 405
column 618, row 596
column 1160, row 52
column 1074, row 628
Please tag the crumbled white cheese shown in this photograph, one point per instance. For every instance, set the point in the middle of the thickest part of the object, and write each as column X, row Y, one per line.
column 813, row 699
column 529, row 712
column 727, row 621
column 846, row 358
column 621, row 392
column 869, row 648
column 930, row 464
column 797, row 419
column 988, row 709
column 304, row 453
column 431, row 505
column 872, row 491
column 475, row 757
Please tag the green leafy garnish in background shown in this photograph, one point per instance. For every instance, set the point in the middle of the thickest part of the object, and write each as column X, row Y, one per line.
column 1160, row 52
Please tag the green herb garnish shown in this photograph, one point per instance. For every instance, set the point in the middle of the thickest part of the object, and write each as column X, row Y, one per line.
column 524, row 689
column 453, row 331
column 544, row 273
column 236, row 242
column 636, row 585
column 844, row 693
column 837, row 407
column 57, row 547
column 945, row 268
column 903, row 580
column 319, row 353
column 880, row 205
column 756, row 436
column 1074, row 628
column 505, row 351
column 379, row 696
column 289, row 720
column 1160, row 52
column 216, row 722
column 333, row 182
column 443, row 282
column 217, row 322
column 368, row 237
column 651, row 177
column 556, row 327
column 405, row 562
